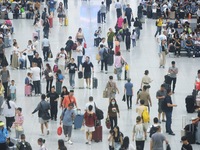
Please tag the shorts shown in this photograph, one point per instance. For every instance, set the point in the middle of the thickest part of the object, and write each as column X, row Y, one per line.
column 67, row 130
column 160, row 106
column 89, row 129
column 87, row 75
column 41, row 121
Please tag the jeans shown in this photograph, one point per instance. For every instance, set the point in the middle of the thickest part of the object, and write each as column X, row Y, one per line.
column 71, row 79
column 189, row 49
column 110, row 45
column 139, row 145
column 79, row 59
column 133, row 42
column 139, row 16
column 102, row 63
column 119, row 73
column 13, row 96
column 117, row 145
column 103, row 17
column 119, row 12
column 54, row 110
column 65, row 4
column 30, row 58
column 9, row 121
column 22, row 61
column 129, row 101
column 46, row 53
column 46, row 33
column 129, row 20
column 113, row 122
column 36, row 85
column 137, row 31
column 5, row 85
column 158, row 30
column 168, row 122
column 174, row 83
column 49, row 85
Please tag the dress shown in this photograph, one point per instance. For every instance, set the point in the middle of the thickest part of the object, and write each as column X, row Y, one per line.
column 15, row 62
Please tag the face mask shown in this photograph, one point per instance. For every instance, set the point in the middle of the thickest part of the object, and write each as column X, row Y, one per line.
column 113, row 103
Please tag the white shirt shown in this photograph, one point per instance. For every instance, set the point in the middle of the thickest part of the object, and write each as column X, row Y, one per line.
column 93, row 105
column 9, row 112
column 43, row 147
column 36, row 73
column 118, row 5
column 61, row 60
column 80, row 53
column 15, row 50
column 29, row 50
column 12, row 88
column 161, row 37
column 101, row 43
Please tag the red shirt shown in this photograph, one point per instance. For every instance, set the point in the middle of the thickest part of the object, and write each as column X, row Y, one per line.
column 90, row 119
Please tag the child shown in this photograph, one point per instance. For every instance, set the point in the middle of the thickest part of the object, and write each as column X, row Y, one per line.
column 186, row 145
column 13, row 90
column 110, row 140
column 29, row 80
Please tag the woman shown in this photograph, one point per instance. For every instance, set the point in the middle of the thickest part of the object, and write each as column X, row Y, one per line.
column 15, row 52
column 139, row 134
column 59, row 81
column 79, row 54
column 41, row 144
column 117, row 138
column 89, row 121
column 119, row 63
column 61, row 145
column 128, row 40
column 18, row 124
column 117, row 45
column 113, row 111
column 9, row 112
column 133, row 38
column 63, row 94
column 61, row 59
column 61, row 13
column 111, row 87
column 126, row 144
column 49, row 77
column 1, row 95
column 80, row 36
column 46, row 27
column 163, row 53
column 178, row 47
column 72, row 70
column 30, row 52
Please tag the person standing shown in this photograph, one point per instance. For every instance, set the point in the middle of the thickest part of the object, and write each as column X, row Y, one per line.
column 146, row 80
column 118, row 7
column 3, row 136
column 43, row 108
column 59, row 81
column 103, row 12
column 159, row 23
column 46, row 26
column 128, row 91
column 138, row 26
column 53, row 96
column 157, row 140
column 108, row 3
column 30, row 52
column 61, row 13
column 160, row 95
column 36, row 78
column 173, row 71
column 72, row 69
column 41, row 143
column 80, row 36
column 111, row 87
column 119, row 62
column 103, row 52
column 65, row 4
column 67, row 118
column 113, row 113
column 117, row 138
column 163, row 53
column 64, row 93
column 86, row 69
column 45, row 47
column 49, row 77
column 140, row 11
column 38, row 60
column 62, row 59
column 110, row 36
column 167, row 107
column 128, row 14
column 79, row 54
column 128, row 40
column 92, row 103
column 5, row 78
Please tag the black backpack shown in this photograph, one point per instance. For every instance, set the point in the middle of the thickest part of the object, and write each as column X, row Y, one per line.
column 152, row 131
column 99, row 114
column 24, row 146
column 83, row 51
column 105, row 54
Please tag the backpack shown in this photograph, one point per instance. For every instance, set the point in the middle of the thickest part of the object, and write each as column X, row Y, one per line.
column 105, row 54
column 24, row 146
column 55, row 68
column 83, row 51
column 95, row 34
column 145, row 116
column 99, row 114
column 152, row 131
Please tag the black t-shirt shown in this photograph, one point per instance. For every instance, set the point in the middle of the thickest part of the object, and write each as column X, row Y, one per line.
column 167, row 100
column 128, row 11
column 72, row 67
column 53, row 97
column 38, row 61
column 69, row 45
column 87, row 66
column 140, row 9
column 186, row 147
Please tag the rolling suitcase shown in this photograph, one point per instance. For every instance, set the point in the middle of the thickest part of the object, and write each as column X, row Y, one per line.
column 190, row 101
column 10, row 16
column 190, row 131
column 51, row 22
column 80, row 74
column 94, row 83
column 28, row 90
column 81, row 83
column 78, row 120
column 97, row 134
column 99, row 17
column 66, row 21
column 110, row 60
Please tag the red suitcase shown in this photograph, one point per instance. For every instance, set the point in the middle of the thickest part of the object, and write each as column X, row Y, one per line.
column 51, row 22
column 97, row 134
column 28, row 90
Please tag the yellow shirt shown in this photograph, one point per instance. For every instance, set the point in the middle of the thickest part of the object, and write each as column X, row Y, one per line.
column 159, row 22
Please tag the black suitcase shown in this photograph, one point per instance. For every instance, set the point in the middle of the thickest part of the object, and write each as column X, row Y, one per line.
column 167, row 79
column 80, row 74
column 190, row 131
column 94, row 83
column 110, row 60
column 99, row 17
column 154, row 15
column 190, row 101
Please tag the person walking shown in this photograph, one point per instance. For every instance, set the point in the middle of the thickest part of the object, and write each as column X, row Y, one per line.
column 41, row 143
column 92, row 103
column 9, row 112
column 113, row 113
column 167, row 107
column 119, row 62
column 61, row 145
column 160, row 95
column 61, row 56
column 49, row 77
column 108, row 3
column 3, row 136
column 87, row 69
column 61, row 13
column 43, row 108
column 103, row 52
column 112, row 88
column 138, row 26
column 159, row 23
column 126, row 145
column 69, row 99
column 103, row 12
column 110, row 36
column 36, row 78
column 67, row 118
column 38, row 60
column 173, row 71
column 69, row 44
column 117, row 138
column 30, row 52
column 79, row 54
column 65, row 4
column 128, row 91
column 59, row 81
column 133, row 38
column 139, row 134
column 64, row 93
column 72, row 68
column 146, row 80
column 53, row 96
column 163, row 53
column 128, row 40
column 80, row 36
column 23, row 144
column 89, row 122
column 157, row 140
column 45, row 47
column 46, row 27
column 118, row 7
column 128, row 14
column 5, row 78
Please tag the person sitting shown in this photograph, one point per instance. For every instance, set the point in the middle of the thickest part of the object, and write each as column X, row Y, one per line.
column 16, row 12
column 196, row 46
column 30, row 13
column 189, row 46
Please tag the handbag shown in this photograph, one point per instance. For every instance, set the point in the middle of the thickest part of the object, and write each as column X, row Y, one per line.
column 132, row 19
column 124, row 98
column 50, row 54
column 19, row 128
column 115, row 71
column 59, row 130
column 98, row 57
column 105, row 94
column 45, row 114
column 85, row 45
column 107, row 122
column 168, row 147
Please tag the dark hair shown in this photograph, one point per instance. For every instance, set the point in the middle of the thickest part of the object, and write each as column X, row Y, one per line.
column 145, row 88
column 146, row 72
column 118, row 54
column 64, row 87
column 184, row 138
column 22, row 136
column 41, row 140
column 126, row 142
column 43, row 96
column 48, row 66
column 8, row 102
column 61, row 145
column 155, row 120
column 162, row 85
column 20, row 109
column 102, row 3
column 138, row 119
column 101, row 46
column 90, row 107
column 111, row 77
column 111, row 105
column 62, row 49
column 142, row 102
column 70, row 37
column 198, row 72
column 173, row 62
column 118, row 131
column 58, row 72
column 90, row 98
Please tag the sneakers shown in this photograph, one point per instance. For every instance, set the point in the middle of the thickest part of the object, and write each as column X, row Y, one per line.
column 47, row 132
column 89, row 143
column 70, row 142
column 66, row 139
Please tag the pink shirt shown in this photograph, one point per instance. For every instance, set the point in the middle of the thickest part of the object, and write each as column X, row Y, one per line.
column 120, row 22
column 118, row 60
column 19, row 120
column 8, row 22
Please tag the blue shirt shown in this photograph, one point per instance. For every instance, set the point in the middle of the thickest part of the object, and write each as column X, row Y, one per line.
column 68, row 117
column 128, row 86
column 3, row 135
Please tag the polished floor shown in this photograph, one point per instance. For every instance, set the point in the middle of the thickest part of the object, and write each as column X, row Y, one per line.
column 143, row 56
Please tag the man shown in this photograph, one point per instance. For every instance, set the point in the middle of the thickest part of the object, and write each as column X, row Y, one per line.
column 141, row 108
column 189, row 46
column 108, row 2
column 157, row 139
column 160, row 39
column 128, row 91
column 173, row 71
column 67, row 117
column 153, row 128
column 140, row 11
column 167, row 107
column 69, row 44
column 69, row 99
column 38, row 60
column 65, row 4
column 52, row 5
column 5, row 78
column 110, row 36
column 45, row 47
column 97, row 38
column 186, row 145
column 36, row 78
column 128, row 14
column 160, row 95
column 72, row 70
column 138, row 25
column 53, row 96
column 118, row 7
column 144, row 95
column 103, row 52
column 103, row 12
column 103, row 42
column 2, row 50
column 3, row 136
column 87, row 69
column 159, row 23
column 92, row 103
column 42, row 109
column 23, row 144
